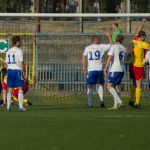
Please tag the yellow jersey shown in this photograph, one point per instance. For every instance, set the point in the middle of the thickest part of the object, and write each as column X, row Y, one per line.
column 138, row 52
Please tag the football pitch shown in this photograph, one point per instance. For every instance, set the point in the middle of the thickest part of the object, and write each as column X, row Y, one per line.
column 74, row 127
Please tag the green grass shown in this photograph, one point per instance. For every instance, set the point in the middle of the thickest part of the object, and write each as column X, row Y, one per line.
column 73, row 127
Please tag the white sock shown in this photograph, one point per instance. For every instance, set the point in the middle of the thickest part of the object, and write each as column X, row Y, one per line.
column 100, row 92
column 115, row 95
column 90, row 96
column 20, row 98
column 8, row 100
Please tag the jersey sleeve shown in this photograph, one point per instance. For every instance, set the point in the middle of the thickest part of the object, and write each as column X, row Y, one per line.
column 111, row 51
column 105, row 47
column 145, row 45
column 147, row 59
column 85, row 53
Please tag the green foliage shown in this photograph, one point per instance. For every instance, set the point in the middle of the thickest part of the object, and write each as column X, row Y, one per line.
column 15, row 6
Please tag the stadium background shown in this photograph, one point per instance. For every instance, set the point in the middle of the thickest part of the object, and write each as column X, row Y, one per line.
column 53, row 53
column 58, row 119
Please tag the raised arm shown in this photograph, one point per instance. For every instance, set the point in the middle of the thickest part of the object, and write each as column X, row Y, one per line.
column 109, row 37
column 141, row 26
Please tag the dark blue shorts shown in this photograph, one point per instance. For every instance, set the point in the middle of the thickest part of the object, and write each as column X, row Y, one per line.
column 14, row 78
column 95, row 77
column 115, row 77
column 149, row 83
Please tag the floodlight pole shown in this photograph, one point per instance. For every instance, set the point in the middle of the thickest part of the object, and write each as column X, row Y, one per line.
column 128, row 3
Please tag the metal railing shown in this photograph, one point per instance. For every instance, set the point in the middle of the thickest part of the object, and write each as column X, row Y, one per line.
column 59, row 66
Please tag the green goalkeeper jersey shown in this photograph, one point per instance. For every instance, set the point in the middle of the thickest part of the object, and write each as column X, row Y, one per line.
column 115, row 33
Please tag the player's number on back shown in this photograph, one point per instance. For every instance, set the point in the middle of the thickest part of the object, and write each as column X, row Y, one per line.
column 121, row 56
column 94, row 56
column 11, row 59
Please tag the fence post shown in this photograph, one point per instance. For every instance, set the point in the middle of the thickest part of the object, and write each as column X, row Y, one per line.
column 128, row 3
column 36, row 61
column 81, row 19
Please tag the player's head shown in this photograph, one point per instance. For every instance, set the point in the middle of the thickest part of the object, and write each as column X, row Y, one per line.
column 96, row 39
column 115, row 25
column 120, row 39
column 142, row 35
column 16, row 41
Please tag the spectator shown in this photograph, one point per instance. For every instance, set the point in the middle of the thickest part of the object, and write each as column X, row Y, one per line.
column 67, row 7
column 73, row 6
column 95, row 8
column 62, row 5
column 50, row 6
column 58, row 8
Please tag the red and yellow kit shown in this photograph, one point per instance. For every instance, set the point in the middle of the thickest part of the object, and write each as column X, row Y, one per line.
column 137, row 61
column 4, row 85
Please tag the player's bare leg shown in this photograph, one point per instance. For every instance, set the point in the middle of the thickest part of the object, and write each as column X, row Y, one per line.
column 132, row 93
column 117, row 88
column 4, row 96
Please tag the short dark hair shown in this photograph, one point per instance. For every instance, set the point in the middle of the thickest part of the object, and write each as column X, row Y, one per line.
column 95, row 37
column 119, row 38
column 16, row 39
column 141, row 34
column 116, row 24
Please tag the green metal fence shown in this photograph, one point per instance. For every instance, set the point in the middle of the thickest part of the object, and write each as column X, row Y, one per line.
column 59, row 66
column 55, row 59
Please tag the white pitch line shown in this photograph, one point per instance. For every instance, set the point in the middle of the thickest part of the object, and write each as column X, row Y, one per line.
column 72, row 115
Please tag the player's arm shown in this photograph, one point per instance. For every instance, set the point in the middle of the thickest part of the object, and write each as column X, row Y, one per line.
column 141, row 26
column 109, row 59
column 85, row 64
column 6, row 60
column 147, row 58
column 107, row 34
column 145, row 46
column 20, row 56
column 22, row 65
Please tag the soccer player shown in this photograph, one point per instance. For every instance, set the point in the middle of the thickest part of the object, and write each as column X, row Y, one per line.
column 15, row 93
column 14, row 60
column 136, row 67
column 148, row 61
column 115, row 32
column 4, row 86
column 15, row 90
column 114, row 64
column 93, row 67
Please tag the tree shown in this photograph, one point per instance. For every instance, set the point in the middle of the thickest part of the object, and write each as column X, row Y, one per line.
column 15, row 6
